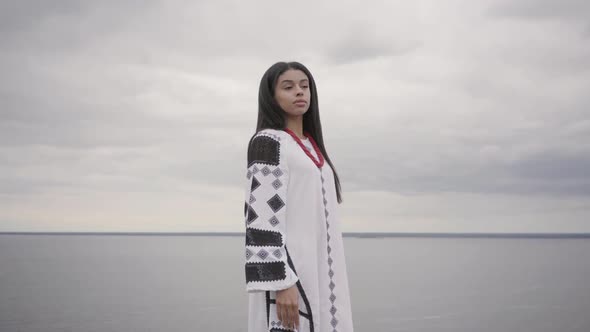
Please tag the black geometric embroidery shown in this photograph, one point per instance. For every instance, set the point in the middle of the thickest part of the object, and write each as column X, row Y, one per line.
column 277, row 184
column 255, row 170
column 332, row 298
column 245, row 208
column 332, row 285
column 255, row 184
column 264, row 150
column 275, row 203
column 249, row 253
column 265, row 171
column 262, row 253
column 273, row 221
column 249, row 174
column 252, row 199
column 277, row 172
column 261, row 238
column 267, row 305
column 265, row 271
column 251, row 215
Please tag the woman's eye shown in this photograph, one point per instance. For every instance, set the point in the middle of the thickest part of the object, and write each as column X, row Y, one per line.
column 287, row 87
column 305, row 87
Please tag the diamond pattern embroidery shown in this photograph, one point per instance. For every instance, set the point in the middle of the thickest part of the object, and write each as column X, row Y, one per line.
column 255, row 184
column 262, row 254
column 275, row 203
column 252, row 199
column 277, row 253
column 334, row 321
column 278, row 325
column 265, row 171
column 273, row 221
column 249, row 254
column 277, row 172
column 333, row 310
column 251, row 215
column 277, row 184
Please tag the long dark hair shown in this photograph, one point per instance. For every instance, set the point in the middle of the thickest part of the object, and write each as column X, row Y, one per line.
column 271, row 115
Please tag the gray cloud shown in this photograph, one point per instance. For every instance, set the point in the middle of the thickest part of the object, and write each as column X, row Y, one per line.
column 161, row 96
column 38, row 27
column 542, row 9
column 362, row 43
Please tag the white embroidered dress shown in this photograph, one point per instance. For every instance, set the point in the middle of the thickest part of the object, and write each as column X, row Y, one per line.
column 293, row 237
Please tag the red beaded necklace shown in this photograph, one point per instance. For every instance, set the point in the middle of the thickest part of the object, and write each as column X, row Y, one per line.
column 319, row 163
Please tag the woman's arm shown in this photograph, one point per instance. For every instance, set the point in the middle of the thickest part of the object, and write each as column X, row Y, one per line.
column 265, row 215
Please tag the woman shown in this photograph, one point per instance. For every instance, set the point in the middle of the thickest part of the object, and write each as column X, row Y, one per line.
column 296, row 273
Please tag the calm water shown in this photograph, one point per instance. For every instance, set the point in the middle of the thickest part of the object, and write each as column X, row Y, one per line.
column 194, row 283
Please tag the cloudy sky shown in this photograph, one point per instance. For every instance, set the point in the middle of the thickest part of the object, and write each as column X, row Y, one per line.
column 440, row 116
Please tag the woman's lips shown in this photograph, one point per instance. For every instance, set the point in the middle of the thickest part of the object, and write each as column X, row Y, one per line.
column 300, row 103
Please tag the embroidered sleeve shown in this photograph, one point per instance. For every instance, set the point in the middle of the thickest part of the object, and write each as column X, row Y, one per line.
column 265, row 215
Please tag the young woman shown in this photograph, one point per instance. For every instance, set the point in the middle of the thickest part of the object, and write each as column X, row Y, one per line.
column 296, row 274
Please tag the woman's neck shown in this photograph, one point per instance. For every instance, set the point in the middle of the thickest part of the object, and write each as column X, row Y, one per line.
column 296, row 125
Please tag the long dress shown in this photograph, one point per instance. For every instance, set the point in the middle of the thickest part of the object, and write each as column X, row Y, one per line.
column 293, row 236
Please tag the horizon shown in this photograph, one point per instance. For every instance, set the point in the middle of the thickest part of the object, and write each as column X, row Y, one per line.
column 505, row 235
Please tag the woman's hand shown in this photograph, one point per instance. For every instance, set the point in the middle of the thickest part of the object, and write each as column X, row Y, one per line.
column 288, row 307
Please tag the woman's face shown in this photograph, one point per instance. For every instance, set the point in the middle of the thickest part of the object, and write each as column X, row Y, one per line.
column 292, row 92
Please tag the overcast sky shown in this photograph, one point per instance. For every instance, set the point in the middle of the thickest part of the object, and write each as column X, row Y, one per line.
column 440, row 116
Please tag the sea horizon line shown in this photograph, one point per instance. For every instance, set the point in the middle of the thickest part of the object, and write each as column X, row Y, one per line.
column 552, row 235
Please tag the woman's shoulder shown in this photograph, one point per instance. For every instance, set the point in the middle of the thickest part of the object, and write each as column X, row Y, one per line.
column 265, row 147
column 275, row 134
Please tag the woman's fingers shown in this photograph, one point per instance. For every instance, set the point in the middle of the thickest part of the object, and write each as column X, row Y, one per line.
column 288, row 314
column 279, row 313
column 288, row 307
column 283, row 317
column 295, row 317
column 289, row 322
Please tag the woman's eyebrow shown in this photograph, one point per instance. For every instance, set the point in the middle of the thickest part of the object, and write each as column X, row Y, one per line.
column 291, row 81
